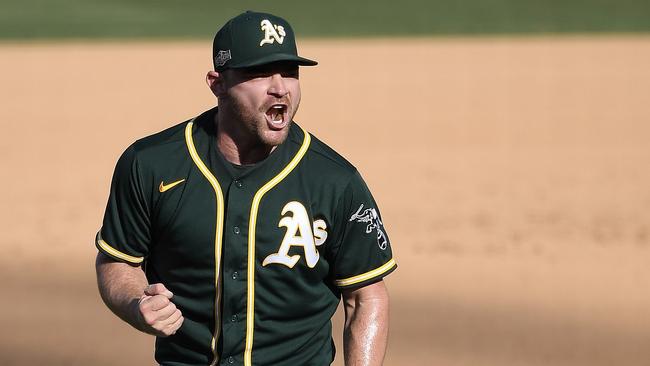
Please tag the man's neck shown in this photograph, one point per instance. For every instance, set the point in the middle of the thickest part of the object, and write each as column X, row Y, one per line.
column 236, row 145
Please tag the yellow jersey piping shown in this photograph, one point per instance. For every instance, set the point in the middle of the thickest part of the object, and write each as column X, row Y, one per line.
column 218, row 232
column 250, row 305
column 366, row 276
column 116, row 253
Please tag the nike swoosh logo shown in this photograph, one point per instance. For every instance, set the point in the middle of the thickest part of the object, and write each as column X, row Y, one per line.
column 169, row 186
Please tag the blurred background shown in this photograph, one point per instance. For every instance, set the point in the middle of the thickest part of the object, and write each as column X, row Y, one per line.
column 506, row 142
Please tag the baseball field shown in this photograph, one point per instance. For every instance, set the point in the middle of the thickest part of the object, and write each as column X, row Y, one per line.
column 512, row 172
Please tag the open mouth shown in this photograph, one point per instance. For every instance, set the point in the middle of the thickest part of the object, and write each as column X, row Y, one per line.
column 277, row 115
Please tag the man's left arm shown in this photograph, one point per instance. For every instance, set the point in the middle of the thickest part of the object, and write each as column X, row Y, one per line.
column 365, row 334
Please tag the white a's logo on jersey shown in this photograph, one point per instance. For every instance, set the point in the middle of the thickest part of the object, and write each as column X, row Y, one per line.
column 300, row 233
column 271, row 32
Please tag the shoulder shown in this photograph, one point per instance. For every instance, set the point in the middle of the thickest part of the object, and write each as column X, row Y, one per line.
column 168, row 146
column 161, row 140
column 157, row 154
column 325, row 159
column 154, row 152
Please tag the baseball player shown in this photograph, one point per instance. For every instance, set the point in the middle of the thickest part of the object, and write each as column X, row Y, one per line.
column 233, row 236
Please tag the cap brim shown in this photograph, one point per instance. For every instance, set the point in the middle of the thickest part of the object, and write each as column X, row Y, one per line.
column 275, row 57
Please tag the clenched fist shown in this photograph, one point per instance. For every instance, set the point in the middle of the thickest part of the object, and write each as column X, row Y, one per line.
column 156, row 313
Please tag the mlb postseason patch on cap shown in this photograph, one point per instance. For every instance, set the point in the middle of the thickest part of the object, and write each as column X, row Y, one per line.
column 253, row 39
column 222, row 57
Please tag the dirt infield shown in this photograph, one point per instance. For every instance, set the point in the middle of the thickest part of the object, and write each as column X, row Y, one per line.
column 512, row 176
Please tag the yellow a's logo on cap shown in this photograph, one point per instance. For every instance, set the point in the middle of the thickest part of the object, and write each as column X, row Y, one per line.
column 271, row 30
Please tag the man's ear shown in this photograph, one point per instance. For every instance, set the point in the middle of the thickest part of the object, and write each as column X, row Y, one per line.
column 216, row 83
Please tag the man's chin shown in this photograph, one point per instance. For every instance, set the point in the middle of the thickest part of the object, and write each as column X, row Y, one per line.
column 275, row 137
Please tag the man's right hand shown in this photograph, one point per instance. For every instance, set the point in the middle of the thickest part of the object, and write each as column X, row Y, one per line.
column 156, row 313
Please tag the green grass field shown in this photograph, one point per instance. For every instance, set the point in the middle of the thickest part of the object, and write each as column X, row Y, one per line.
column 47, row 19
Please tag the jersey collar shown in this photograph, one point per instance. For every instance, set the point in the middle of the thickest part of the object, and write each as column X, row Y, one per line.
column 205, row 141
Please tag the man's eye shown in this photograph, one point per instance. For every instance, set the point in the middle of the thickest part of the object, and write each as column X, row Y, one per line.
column 289, row 74
column 259, row 74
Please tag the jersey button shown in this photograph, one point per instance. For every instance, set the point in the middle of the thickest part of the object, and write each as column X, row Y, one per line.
column 238, row 183
column 231, row 359
column 236, row 230
column 234, row 318
column 235, row 275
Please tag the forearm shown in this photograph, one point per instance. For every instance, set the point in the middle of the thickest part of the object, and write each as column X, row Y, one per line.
column 366, row 327
column 121, row 286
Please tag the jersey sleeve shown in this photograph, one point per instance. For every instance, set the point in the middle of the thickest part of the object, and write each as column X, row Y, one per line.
column 125, row 233
column 363, row 255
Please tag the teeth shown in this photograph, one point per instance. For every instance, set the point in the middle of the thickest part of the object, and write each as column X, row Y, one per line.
column 276, row 113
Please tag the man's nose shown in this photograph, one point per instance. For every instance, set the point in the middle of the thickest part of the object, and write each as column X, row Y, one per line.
column 277, row 88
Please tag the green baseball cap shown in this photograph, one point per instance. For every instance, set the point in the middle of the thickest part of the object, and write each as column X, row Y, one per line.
column 253, row 39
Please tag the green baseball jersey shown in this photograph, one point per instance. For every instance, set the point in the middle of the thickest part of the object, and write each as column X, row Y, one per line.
column 256, row 256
